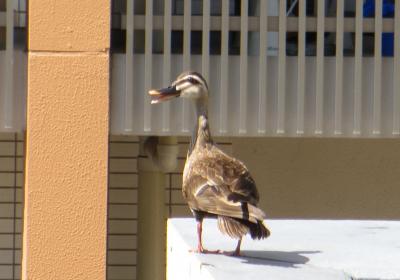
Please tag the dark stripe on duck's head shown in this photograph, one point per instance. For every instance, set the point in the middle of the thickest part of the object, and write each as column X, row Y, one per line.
column 191, row 77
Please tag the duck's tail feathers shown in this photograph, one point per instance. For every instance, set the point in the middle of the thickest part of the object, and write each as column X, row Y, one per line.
column 236, row 228
column 259, row 230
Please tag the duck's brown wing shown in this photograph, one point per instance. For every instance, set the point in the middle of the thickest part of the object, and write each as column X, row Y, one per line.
column 222, row 185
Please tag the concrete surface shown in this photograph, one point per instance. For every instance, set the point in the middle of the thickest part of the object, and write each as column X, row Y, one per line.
column 297, row 249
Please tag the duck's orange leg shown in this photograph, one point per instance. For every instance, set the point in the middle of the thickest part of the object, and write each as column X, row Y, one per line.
column 200, row 248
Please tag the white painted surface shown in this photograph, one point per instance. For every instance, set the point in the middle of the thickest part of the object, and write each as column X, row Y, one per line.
column 297, row 249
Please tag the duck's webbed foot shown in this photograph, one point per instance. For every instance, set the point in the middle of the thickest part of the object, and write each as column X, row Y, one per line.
column 235, row 253
column 201, row 250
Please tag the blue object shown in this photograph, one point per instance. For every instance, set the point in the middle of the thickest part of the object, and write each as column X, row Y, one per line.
column 387, row 11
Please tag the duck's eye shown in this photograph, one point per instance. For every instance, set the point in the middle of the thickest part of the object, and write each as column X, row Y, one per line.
column 193, row 81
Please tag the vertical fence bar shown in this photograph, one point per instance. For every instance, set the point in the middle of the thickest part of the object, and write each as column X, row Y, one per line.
column 301, row 77
column 205, row 58
column 376, row 113
column 186, row 57
column 167, row 62
column 223, row 116
column 339, row 67
column 8, row 102
column 319, row 86
column 396, row 80
column 148, row 63
column 358, row 69
column 128, row 127
column 244, row 28
column 262, row 77
column 280, row 129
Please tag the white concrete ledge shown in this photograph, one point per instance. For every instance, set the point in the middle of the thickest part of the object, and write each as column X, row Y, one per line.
column 297, row 249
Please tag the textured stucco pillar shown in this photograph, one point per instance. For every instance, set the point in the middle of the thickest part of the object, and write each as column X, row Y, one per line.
column 65, row 215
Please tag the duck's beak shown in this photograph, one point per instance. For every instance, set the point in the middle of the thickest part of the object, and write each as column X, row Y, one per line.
column 163, row 94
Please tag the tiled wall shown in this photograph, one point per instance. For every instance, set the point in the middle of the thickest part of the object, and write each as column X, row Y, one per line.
column 11, row 197
column 289, row 173
column 122, row 213
column 123, row 202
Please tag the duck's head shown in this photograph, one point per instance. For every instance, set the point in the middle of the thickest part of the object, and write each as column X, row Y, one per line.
column 188, row 85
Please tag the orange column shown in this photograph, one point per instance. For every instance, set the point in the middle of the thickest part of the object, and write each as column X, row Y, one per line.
column 65, row 215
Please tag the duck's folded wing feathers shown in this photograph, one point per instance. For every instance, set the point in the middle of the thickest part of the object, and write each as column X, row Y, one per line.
column 213, row 199
column 218, row 169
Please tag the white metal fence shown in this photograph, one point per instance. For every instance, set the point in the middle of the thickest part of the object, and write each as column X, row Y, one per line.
column 259, row 88
column 12, row 65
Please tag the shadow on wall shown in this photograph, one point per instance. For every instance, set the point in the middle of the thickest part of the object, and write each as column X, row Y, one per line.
column 276, row 258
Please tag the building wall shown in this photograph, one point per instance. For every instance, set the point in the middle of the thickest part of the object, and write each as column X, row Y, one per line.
column 122, row 202
column 325, row 178
column 297, row 178
column 11, row 204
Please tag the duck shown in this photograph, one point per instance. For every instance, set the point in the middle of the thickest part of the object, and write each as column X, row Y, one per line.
column 215, row 184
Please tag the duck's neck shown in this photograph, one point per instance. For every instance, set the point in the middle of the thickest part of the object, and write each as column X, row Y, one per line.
column 201, row 132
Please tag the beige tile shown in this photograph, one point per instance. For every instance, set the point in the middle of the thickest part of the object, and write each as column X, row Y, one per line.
column 6, row 209
column 122, row 196
column 123, row 165
column 176, row 181
column 121, row 272
column 18, row 241
column 5, row 136
column 121, row 257
column 122, row 211
column 18, row 257
column 19, row 195
column 20, row 149
column 6, row 257
column 6, row 226
column 122, row 227
column 6, row 195
column 123, row 149
column 6, row 241
column 6, row 179
column 181, row 211
column 20, row 164
column 181, row 164
column 20, row 179
column 19, row 210
column 6, row 271
column 7, row 148
column 128, row 242
column 7, row 164
column 183, row 149
column 18, row 226
column 123, row 180
column 21, row 136
column 17, row 272
column 183, row 139
column 176, row 197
